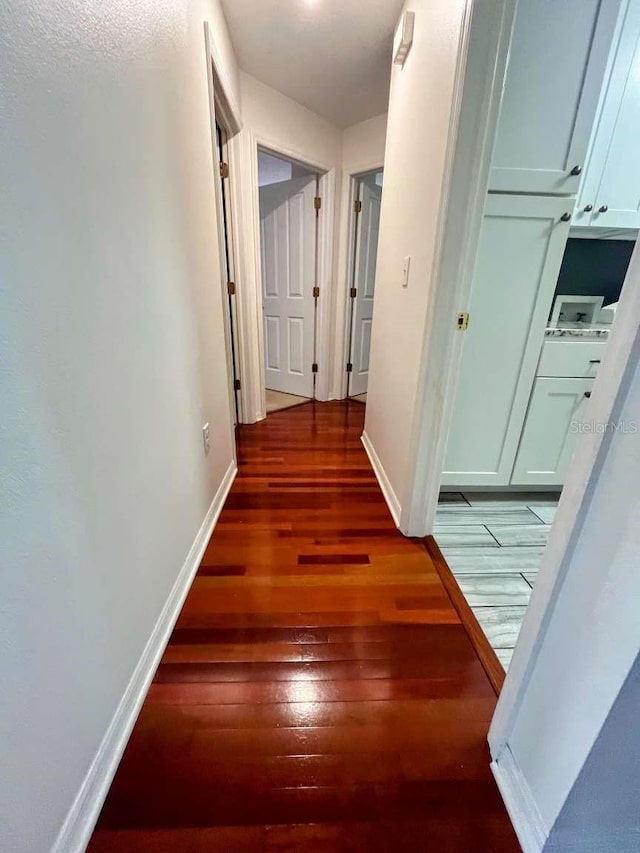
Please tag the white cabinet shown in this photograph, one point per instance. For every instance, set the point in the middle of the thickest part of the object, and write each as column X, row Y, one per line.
column 521, row 246
column 571, row 358
column 554, row 419
column 612, row 172
column 557, row 62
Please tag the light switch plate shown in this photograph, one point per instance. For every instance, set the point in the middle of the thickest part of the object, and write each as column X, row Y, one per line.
column 405, row 271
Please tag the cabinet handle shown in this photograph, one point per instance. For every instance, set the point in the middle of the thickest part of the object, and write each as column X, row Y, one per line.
column 595, row 360
column 588, row 208
column 565, row 217
column 576, row 170
column 587, row 394
column 603, row 208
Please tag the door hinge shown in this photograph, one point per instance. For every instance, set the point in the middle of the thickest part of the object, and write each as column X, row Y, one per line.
column 317, row 202
column 357, row 206
column 349, row 367
column 314, row 367
column 236, row 385
column 353, row 292
column 224, row 169
column 316, row 292
column 231, row 288
column 463, row 321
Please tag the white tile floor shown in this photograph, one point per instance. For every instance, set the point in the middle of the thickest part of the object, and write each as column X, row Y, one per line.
column 493, row 543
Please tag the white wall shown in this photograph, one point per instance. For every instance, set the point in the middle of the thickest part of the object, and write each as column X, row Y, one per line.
column 363, row 143
column 111, row 346
column 288, row 126
column 592, row 639
column 602, row 812
column 564, row 752
column 420, row 109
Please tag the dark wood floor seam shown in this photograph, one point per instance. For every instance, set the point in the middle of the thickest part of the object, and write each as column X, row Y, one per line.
column 488, row 658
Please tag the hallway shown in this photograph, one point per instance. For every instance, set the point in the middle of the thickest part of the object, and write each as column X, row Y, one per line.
column 318, row 692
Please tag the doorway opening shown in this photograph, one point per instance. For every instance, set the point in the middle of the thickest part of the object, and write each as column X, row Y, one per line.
column 289, row 205
column 559, row 223
column 366, row 225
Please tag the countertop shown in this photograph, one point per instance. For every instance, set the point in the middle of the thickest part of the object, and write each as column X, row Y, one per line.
column 579, row 331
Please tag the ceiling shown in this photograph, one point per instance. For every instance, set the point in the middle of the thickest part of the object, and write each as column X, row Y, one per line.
column 332, row 56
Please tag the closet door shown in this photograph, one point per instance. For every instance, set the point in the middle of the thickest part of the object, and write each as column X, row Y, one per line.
column 556, row 68
column 521, row 246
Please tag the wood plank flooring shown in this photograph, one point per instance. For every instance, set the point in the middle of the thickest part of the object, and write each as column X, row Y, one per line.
column 319, row 692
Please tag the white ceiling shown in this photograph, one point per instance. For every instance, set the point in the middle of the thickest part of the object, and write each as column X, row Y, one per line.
column 332, row 56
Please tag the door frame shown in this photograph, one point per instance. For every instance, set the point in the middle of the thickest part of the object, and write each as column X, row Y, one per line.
column 228, row 270
column 346, row 260
column 247, row 207
column 479, row 81
column 225, row 111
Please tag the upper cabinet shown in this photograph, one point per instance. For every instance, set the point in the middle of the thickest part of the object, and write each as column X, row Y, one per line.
column 610, row 193
column 551, row 94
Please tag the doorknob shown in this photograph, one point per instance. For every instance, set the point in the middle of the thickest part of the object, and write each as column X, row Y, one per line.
column 587, row 394
column 565, row 217
column 588, row 208
column 603, row 208
column 576, row 170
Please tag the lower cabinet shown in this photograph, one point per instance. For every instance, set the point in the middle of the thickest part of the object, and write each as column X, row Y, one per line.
column 553, row 422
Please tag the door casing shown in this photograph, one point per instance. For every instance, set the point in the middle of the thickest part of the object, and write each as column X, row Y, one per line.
column 247, row 210
column 362, row 304
column 344, row 277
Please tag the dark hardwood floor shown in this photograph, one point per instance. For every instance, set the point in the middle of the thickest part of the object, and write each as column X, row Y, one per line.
column 319, row 692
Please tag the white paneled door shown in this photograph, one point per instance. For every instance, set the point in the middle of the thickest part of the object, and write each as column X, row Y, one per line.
column 365, row 277
column 288, row 246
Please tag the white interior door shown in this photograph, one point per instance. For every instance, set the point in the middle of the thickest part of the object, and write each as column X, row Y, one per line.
column 365, row 279
column 288, row 247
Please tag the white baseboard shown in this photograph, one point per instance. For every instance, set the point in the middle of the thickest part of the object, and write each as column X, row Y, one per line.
column 80, row 821
column 521, row 805
column 383, row 481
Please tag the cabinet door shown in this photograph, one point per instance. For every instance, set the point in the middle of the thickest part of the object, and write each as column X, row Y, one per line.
column 619, row 188
column 612, row 173
column 552, row 425
column 557, row 62
column 521, row 246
